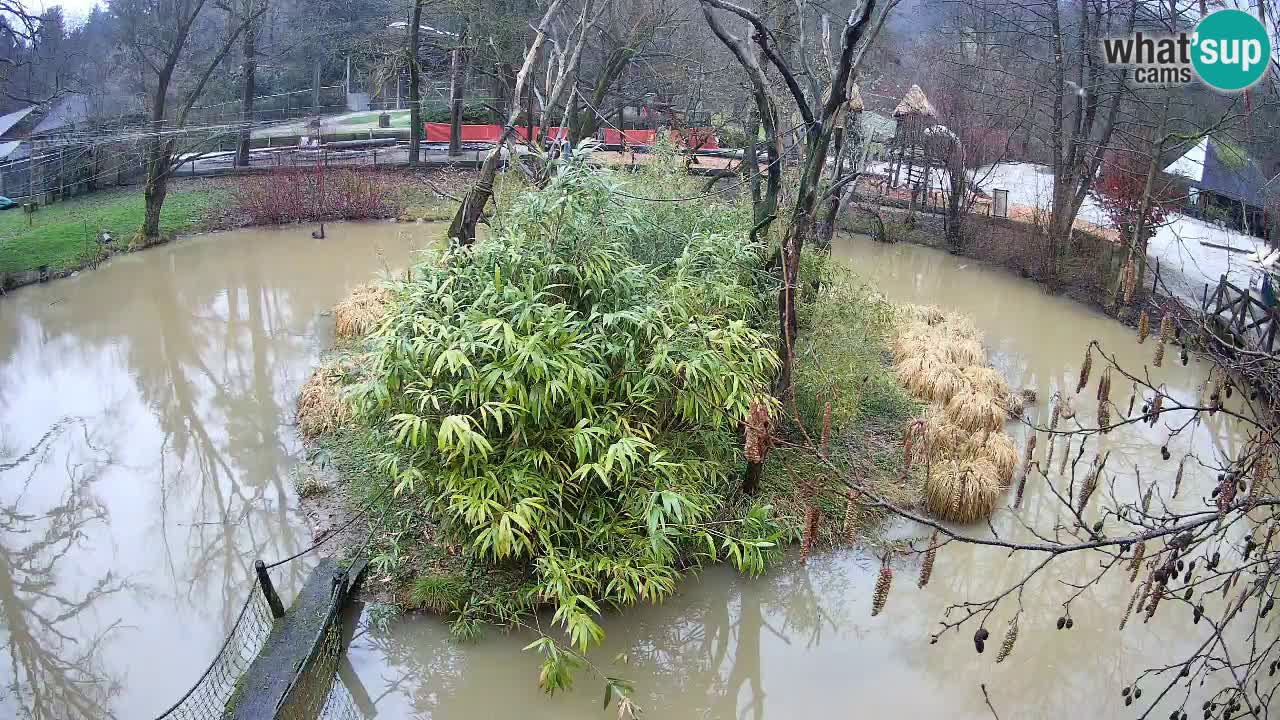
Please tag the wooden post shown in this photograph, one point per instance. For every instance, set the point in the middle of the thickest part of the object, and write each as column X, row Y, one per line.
column 268, row 590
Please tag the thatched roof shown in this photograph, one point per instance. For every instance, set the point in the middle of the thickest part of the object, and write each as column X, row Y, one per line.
column 854, row 103
column 914, row 103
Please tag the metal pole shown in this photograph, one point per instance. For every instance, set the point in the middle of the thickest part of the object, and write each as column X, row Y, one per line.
column 268, row 590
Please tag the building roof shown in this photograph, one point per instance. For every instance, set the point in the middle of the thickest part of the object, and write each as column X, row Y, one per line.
column 914, row 103
column 8, row 121
column 1223, row 169
column 64, row 111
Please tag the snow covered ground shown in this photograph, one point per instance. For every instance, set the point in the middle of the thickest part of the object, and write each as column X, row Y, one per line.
column 1191, row 252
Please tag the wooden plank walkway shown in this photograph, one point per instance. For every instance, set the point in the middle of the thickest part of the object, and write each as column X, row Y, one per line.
column 280, row 675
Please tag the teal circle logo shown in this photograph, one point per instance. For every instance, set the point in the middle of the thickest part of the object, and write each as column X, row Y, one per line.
column 1231, row 50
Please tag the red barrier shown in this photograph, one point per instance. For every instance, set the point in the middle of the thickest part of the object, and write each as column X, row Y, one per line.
column 557, row 133
column 439, row 133
column 630, row 137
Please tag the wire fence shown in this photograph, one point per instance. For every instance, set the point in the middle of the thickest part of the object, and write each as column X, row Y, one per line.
column 216, row 688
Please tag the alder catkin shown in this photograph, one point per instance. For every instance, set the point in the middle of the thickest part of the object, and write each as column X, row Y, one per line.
column 1053, row 427
column 1144, row 326
column 1128, row 610
column 1085, row 368
column 1088, row 487
column 1010, row 637
column 812, row 516
column 1066, row 455
column 930, row 556
column 1156, row 403
column 882, row 588
column 1177, row 479
column 1026, row 470
column 851, row 516
column 1134, row 567
column 1166, row 334
column 1157, row 592
column 1130, row 281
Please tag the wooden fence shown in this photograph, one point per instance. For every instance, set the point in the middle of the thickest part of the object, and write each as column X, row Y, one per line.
column 1239, row 312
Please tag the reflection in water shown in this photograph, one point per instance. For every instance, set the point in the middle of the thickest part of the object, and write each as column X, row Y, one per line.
column 181, row 364
column 53, row 670
column 800, row 642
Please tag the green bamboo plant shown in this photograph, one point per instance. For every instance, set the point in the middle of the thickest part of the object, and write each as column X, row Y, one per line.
column 570, row 410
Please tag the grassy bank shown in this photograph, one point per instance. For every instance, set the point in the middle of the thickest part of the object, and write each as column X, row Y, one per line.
column 64, row 235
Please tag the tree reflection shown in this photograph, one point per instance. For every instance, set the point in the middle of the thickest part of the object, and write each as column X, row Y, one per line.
column 53, row 671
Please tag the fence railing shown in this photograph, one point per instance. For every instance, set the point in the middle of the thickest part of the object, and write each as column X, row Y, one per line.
column 1243, row 314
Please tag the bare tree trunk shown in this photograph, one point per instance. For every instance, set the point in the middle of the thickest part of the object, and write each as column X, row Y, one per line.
column 315, row 85
column 415, row 94
column 457, row 90
column 462, row 230
column 248, row 90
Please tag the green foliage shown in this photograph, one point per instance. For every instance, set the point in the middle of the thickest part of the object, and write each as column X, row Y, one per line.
column 62, row 234
column 568, row 409
column 439, row 593
column 841, row 354
column 842, row 357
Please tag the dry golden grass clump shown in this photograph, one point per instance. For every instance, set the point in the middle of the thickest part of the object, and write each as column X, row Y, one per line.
column 939, row 358
column 964, row 352
column 321, row 406
column 361, row 311
column 987, row 380
column 996, row 448
column 961, row 327
column 976, row 411
column 927, row 314
column 962, row 490
column 928, row 378
column 941, row 436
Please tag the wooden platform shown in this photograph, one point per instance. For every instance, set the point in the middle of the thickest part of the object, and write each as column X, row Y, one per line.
column 280, row 672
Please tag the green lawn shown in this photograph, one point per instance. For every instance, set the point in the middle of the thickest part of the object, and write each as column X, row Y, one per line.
column 57, row 234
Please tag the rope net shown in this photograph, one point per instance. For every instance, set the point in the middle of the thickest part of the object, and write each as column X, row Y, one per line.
column 214, row 691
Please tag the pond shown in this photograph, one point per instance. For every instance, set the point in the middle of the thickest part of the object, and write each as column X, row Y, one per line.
column 146, row 451
column 146, row 458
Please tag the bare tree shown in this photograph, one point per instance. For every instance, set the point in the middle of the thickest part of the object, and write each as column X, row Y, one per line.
column 159, row 33
column 249, row 84
column 463, row 228
column 818, row 112
column 415, row 83
column 457, row 89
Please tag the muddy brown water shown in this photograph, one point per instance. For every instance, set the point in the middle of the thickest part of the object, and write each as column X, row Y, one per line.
column 799, row 642
column 146, row 452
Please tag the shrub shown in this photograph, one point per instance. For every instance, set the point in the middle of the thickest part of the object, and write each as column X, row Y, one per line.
column 290, row 195
column 565, row 408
